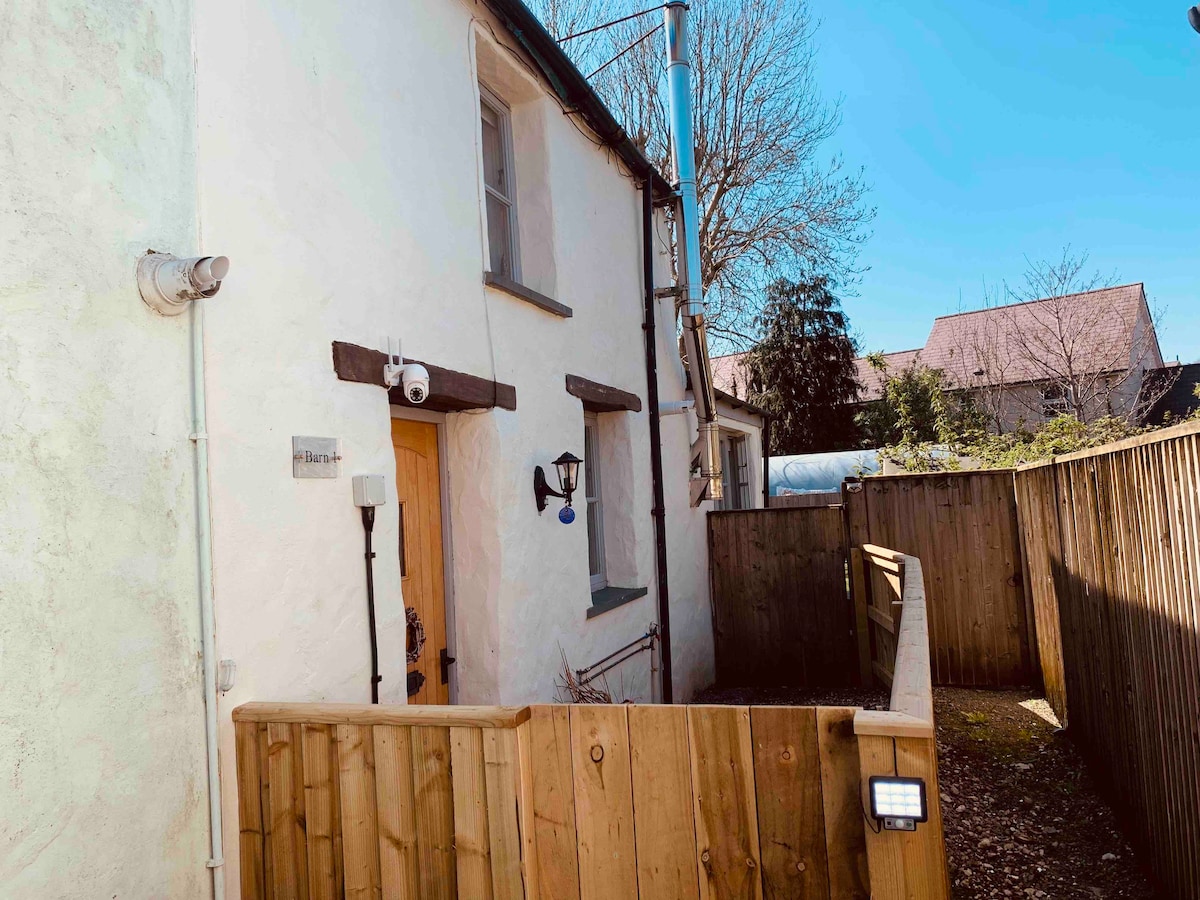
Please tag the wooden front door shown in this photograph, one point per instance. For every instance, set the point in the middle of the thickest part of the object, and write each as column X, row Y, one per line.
column 419, row 491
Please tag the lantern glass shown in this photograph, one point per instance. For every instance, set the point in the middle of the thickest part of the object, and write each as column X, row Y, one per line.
column 568, row 472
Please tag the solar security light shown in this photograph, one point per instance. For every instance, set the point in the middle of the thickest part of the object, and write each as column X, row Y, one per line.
column 898, row 803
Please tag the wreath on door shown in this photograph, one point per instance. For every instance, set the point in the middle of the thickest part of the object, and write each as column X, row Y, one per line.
column 415, row 635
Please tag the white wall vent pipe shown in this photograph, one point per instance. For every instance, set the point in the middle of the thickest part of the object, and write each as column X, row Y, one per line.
column 675, row 407
column 168, row 283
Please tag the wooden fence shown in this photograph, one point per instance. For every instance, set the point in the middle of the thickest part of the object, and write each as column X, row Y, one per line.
column 1113, row 541
column 963, row 527
column 804, row 501
column 902, row 740
column 591, row 802
column 781, row 614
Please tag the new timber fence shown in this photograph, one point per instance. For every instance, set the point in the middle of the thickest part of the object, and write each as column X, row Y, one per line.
column 582, row 802
column 1112, row 536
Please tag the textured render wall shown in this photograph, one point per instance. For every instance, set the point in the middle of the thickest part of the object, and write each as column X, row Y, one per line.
column 339, row 169
column 102, row 756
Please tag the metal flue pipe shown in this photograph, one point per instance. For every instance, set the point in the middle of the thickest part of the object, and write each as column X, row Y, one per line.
column 679, row 92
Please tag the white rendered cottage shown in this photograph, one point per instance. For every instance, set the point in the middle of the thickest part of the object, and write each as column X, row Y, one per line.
column 434, row 172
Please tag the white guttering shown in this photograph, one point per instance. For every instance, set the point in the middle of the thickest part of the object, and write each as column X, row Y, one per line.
column 679, row 86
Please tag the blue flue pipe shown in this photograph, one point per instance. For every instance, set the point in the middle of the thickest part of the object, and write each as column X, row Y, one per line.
column 679, row 92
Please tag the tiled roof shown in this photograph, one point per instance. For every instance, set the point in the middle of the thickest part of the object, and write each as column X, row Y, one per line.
column 872, row 380
column 1098, row 327
column 729, row 376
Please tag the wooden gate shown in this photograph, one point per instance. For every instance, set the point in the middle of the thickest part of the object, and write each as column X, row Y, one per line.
column 781, row 612
column 963, row 527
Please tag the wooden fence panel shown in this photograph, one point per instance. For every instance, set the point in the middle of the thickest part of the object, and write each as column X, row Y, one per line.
column 635, row 803
column 781, row 610
column 963, row 527
column 1113, row 538
column 1037, row 507
column 805, row 501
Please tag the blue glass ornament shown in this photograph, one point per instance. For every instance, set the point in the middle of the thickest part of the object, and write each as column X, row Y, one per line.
column 566, row 515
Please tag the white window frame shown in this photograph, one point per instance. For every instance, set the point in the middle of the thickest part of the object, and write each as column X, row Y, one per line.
column 503, row 115
column 735, row 471
column 591, row 466
column 1060, row 404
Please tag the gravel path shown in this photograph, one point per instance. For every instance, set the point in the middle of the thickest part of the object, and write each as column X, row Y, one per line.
column 1021, row 814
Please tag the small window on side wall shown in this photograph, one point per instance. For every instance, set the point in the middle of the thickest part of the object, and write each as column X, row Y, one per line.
column 735, row 473
column 499, row 189
column 595, row 504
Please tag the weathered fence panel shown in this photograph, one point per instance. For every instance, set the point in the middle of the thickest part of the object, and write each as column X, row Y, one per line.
column 963, row 527
column 805, row 501
column 552, row 802
column 1118, row 558
column 781, row 614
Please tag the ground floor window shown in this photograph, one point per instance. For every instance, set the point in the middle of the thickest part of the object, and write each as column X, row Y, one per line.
column 735, row 472
column 594, row 498
column 1056, row 401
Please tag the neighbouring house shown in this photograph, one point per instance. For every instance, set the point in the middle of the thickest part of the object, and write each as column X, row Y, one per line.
column 1170, row 394
column 1084, row 353
column 437, row 173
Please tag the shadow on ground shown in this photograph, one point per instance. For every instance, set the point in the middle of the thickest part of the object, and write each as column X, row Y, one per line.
column 1022, row 815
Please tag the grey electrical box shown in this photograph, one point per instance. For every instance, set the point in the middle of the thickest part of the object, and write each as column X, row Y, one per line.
column 369, row 490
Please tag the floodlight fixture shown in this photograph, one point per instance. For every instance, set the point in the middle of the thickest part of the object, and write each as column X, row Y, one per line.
column 898, row 803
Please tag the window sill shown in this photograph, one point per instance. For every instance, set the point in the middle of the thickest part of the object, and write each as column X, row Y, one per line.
column 611, row 597
column 529, row 295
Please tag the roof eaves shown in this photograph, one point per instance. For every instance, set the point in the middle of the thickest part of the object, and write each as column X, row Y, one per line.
column 574, row 90
column 988, row 309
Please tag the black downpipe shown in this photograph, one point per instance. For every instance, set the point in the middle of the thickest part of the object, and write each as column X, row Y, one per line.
column 656, row 470
column 368, row 519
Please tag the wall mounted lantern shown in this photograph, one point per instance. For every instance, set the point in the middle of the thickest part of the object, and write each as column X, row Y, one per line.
column 898, row 803
column 568, row 479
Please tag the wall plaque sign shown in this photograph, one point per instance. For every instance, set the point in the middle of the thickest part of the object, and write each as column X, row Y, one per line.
column 316, row 457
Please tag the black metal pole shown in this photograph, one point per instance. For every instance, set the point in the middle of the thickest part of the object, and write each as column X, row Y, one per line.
column 368, row 518
column 656, row 472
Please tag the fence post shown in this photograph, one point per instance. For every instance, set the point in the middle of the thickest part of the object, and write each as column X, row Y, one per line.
column 858, row 591
column 904, row 864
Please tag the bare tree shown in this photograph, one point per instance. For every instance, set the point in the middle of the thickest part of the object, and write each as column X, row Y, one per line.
column 768, row 204
column 1076, row 354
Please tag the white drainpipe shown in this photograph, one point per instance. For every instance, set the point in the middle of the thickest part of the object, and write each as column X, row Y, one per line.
column 679, row 86
column 169, row 286
column 199, row 437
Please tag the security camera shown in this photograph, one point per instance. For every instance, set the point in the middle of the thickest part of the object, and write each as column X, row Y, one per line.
column 1194, row 17
column 413, row 376
column 168, row 283
column 416, row 383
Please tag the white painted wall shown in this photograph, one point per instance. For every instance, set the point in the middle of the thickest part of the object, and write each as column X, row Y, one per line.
column 103, row 790
column 340, row 170
column 333, row 156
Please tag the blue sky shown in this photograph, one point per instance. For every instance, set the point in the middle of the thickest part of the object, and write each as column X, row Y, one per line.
column 992, row 131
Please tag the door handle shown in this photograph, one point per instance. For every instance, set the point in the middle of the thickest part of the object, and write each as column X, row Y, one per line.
column 446, row 661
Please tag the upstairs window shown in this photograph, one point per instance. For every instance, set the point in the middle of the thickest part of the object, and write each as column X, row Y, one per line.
column 595, row 504
column 496, row 128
